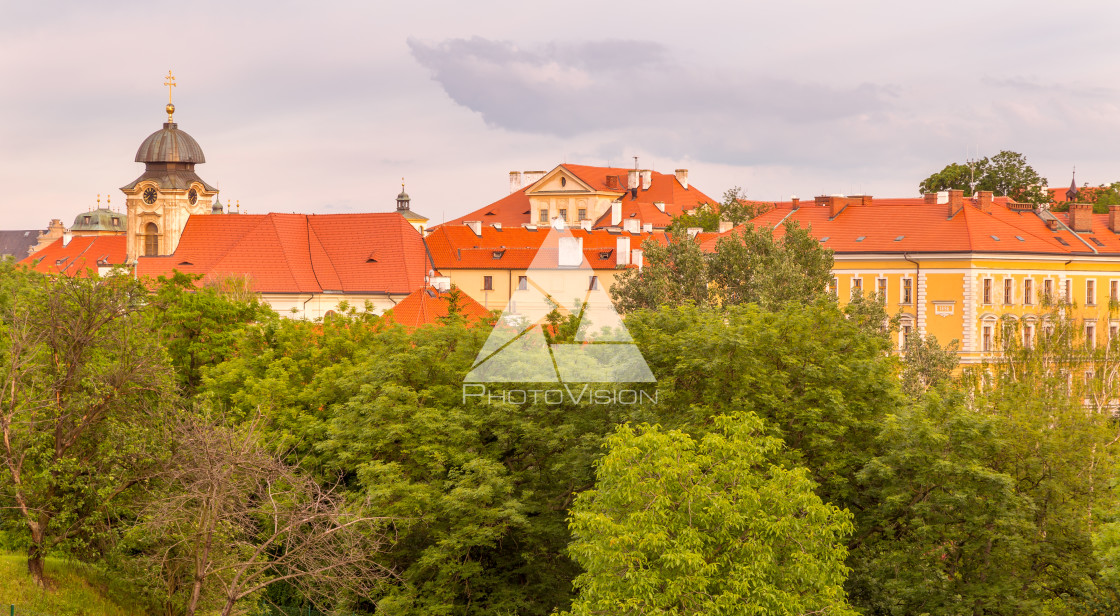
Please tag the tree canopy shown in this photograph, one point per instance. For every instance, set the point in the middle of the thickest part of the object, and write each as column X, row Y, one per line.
column 1005, row 174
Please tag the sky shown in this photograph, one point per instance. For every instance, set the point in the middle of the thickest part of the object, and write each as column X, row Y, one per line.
column 324, row 107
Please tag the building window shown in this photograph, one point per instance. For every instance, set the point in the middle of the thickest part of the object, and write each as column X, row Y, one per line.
column 1048, row 290
column 1008, row 293
column 987, row 294
column 522, row 283
column 1090, row 335
column 1113, row 332
column 1114, row 290
column 881, row 286
column 986, row 339
column 593, row 283
column 1028, row 291
column 907, row 290
column 834, row 286
column 905, row 332
column 582, row 213
column 86, row 219
column 1069, row 291
column 857, row 286
column 1090, row 292
column 563, row 214
column 487, row 283
column 151, row 240
column 543, row 217
column 1028, row 335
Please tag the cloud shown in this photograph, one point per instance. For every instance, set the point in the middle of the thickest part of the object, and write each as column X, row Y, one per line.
column 571, row 89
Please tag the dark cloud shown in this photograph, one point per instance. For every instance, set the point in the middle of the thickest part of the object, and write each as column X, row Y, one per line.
column 571, row 89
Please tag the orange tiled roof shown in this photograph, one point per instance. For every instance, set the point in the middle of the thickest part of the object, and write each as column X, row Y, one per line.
column 912, row 225
column 82, row 253
column 514, row 209
column 458, row 247
column 300, row 253
column 426, row 306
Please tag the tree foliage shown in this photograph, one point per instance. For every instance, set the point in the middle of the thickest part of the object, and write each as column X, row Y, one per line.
column 1005, row 174
column 710, row 525
column 750, row 265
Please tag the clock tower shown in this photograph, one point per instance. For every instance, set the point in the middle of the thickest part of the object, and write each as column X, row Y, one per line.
column 169, row 191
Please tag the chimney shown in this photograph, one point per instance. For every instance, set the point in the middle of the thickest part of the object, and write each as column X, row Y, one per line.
column 616, row 214
column 633, row 225
column 475, row 226
column 725, row 226
column 612, row 182
column 984, row 201
column 1114, row 218
column 531, row 177
column 647, row 227
column 956, row 198
column 571, row 252
column 693, row 231
column 930, row 198
column 647, row 179
column 514, row 181
column 1081, row 217
column 682, row 177
column 660, row 205
column 636, row 258
column 585, row 225
column 794, row 202
column 497, row 226
column 66, row 237
column 943, row 197
column 835, row 203
column 862, row 199
column 622, row 251
column 632, row 178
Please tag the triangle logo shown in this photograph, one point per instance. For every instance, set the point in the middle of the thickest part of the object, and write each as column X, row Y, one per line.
column 560, row 279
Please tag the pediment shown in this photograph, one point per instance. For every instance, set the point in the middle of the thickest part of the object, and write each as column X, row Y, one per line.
column 560, row 180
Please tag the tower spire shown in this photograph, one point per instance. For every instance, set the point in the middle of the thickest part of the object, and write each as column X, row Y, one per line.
column 170, row 83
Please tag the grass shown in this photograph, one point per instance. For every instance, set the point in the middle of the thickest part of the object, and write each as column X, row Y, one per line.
column 78, row 590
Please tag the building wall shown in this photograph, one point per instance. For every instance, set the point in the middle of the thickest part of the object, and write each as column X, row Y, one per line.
column 312, row 306
column 950, row 303
column 504, row 284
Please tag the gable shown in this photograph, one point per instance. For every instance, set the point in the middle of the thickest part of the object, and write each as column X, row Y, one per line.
column 560, row 180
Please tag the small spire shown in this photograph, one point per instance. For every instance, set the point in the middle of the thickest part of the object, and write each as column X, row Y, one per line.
column 99, row 201
column 108, row 202
column 170, row 83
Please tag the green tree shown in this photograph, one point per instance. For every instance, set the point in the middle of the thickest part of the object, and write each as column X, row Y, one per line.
column 1005, row 174
column 674, row 273
column 734, row 208
column 84, row 386
column 752, row 266
column 713, row 525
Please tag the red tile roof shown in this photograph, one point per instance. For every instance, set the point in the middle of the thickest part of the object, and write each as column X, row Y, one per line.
column 514, row 209
column 911, row 225
column 458, row 247
column 79, row 255
column 301, row 253
column 426, row 306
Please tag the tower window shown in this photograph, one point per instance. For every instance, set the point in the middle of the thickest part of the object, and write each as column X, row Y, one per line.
column 151, row 240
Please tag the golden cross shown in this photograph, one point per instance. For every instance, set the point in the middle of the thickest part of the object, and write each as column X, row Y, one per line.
column 170, row 83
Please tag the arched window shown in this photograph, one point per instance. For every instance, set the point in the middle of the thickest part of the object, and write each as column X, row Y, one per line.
column 151, row 240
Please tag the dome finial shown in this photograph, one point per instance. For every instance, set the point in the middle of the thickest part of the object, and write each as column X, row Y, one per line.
column 170, row 83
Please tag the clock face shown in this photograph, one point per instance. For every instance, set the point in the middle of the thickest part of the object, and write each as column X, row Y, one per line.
column 150, row 195
column 192, row 196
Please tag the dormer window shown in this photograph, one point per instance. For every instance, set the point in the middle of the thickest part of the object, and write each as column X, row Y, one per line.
column 497, row 254
column 86, row 219
column 606, row 254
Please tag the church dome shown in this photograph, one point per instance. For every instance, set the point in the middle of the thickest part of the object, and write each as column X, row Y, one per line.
column 99, row 220
column 170, row 145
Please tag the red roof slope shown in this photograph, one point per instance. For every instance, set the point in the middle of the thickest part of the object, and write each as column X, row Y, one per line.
column 514, row 209
column 912, row 225
column 301, row 253
column 79, row 255
column 457, row 247
column 428, row 305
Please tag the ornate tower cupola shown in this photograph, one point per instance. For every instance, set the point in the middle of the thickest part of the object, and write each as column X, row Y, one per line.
column 418, row 222
column 168, row 192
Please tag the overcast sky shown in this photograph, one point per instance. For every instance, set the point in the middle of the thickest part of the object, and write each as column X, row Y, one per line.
column 323, row 107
